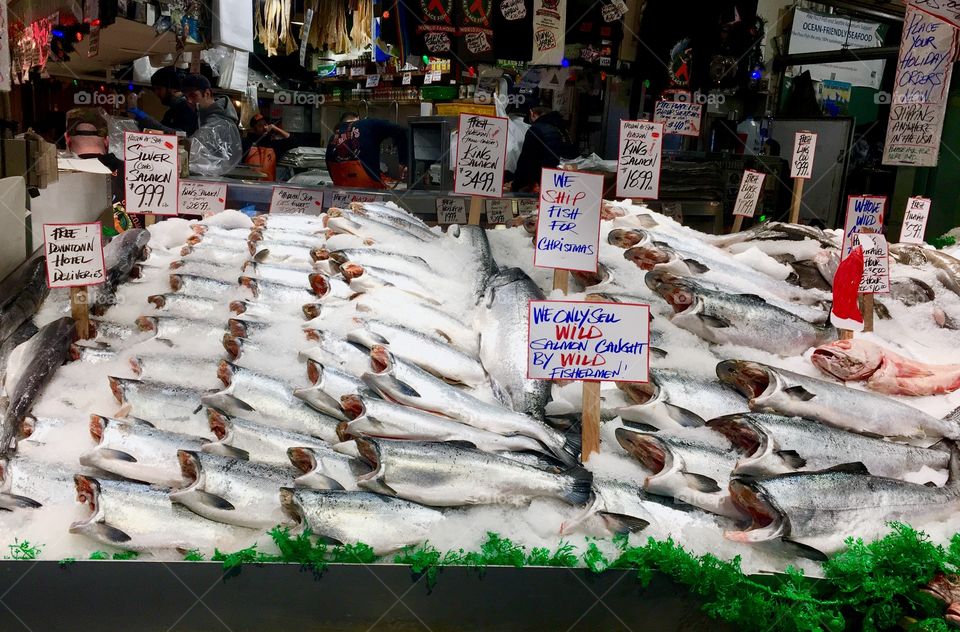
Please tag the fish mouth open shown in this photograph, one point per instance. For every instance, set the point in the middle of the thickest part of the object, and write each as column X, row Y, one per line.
column 255, row 235
column 302, row 459
column 237, row 328
column 146, row 323
column 157, row 300
column 88, row 494
column 116, row 387
column 351, row 271
column 369, row 452
column 238, row 307
column 191, row 472
column 640, row 393
column 175, row 282
column 766, row 520
column 834, row 358
column 750, row 379
column 311, row 311
column 290, row 506
column 97, row 425
column 314, row 372
column 218, row 424
column 251, row 284
column 646, row 257
column 225, row 372
column 380, row 360
column 352, row 406
column 590, row 279
column 319, row 284
column 647, row 449
column 739, row 431
column 624, row 238
column 233, row 345
column 678, row 298
column 176, row 265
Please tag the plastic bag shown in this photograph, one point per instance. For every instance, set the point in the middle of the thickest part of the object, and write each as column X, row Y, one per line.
column 116, row 126
column 216, row 147
column 516, row 132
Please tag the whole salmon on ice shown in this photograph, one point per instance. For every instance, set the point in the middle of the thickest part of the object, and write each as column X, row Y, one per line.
column 883, row 370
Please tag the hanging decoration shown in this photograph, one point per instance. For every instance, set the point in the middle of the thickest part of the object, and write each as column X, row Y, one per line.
column 273, row 26
column 362, row 23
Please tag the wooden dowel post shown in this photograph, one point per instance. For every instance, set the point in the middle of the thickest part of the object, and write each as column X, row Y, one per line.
column 561, row 280
column 845, row 334
column 149, row 220
column 866, row 308
column 80, row 311
column 590, row 422
column 476, row 208
column 737, row 224
column 795, row 200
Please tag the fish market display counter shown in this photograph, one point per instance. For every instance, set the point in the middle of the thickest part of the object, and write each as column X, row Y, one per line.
column 423, row 204
column 199, row 596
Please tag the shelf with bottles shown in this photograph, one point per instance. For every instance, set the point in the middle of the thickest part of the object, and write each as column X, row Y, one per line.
column 363, row 67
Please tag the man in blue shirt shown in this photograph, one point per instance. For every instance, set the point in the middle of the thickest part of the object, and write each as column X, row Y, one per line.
column 353, row 153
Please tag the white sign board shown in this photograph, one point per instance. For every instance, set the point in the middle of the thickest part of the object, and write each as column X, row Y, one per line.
column 74, row 255
column 568, row 220
column 296, row 201
column 499, row 211
column 581, row 340
column 876, row 264
column 343, row 199
column 914, row 225
column 151, row 174
column 816, row 32
column 638, row 159
column 921, row 86
column 200, row 198
column 678, row 117
column 451, row 211
column 804, row 148
column 751, row 185
column 949, row 10
column 481, row 154
column 549, row 32
column 864, row 215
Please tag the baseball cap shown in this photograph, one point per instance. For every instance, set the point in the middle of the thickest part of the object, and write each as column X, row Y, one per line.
column 257, row 118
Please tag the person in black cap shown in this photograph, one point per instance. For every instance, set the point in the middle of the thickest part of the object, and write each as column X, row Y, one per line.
column 264, row 134
column 180, row 115
column 216, row 147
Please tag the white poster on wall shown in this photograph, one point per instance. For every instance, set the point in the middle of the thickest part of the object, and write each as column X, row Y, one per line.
column 549, row 31
column 815, row 32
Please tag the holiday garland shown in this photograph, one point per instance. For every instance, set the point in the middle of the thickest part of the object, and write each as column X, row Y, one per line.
column 869, row 586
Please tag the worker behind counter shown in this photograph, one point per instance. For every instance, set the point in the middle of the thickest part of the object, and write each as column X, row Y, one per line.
column 264, row 144
column 353, row 154
column 545, row 144
column 216, row 147
column 181, row 115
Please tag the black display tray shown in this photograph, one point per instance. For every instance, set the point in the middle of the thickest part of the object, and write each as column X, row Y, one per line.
column 146, row 596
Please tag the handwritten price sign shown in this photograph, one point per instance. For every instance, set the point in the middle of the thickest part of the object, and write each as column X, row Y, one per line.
column 638, row 163
column 579, row 340
column 876, row 264
column 568, row 221
column 451, row 211
column 296, row 201
column 915, row 220
column 751, row 185
column 804, row 147
column 151, row 173
column 74, row 255
column 340, row 199
column 499, row 211
column 200, row 198
column 864, row 215
column 481, row 152
column 679, row 117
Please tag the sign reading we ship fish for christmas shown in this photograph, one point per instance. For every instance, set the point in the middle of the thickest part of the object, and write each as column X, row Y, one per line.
column 568, row 222
column 587, row 341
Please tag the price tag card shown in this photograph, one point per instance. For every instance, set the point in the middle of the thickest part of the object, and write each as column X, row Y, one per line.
column 357, row 71
column 428, row 78
column 343, row 199
column 499, row 211
column 406, row 79
column 876, row 263
column 678, row 117
column 481, row 152
column 451, row 211
column 568, row 222
column 151, row 173
column 864, row 215
column 751, row 185
column 581, row 340
column 200, row 198
column 915, row 220
column 373, row 81
column 74, row 254
column 526, row 206
column 296, row 201
column 804, row 147
column 638, row 164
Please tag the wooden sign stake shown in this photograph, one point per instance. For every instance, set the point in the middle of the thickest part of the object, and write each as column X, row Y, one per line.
column 795, row 200
column 590, row 422
column 80, row 311
column 866, row 308
column 737, row 224
column 476, row 208
column 561, row 280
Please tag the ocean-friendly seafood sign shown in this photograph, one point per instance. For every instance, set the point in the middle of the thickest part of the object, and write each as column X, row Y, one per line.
column 580, row 340
column 568, row 221
column 481, row 152
column 151, row 173
column 74, row 255
column 864, row 215
column 638, row 163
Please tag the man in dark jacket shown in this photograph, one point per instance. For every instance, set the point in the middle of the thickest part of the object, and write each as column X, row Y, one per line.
column 216, row 147
column 544, row 146
column 353, row 153
column 180, row 115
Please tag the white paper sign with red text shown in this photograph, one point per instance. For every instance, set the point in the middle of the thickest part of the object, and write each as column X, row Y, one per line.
column 201, row 198
column 914, row 225
column 74, row 254
column 864, row 215
column 638, row 160
column 481, row 153
column 582, row 340
column 679, row 117
column 296, row 201
column 568, row 220
column 876, row 263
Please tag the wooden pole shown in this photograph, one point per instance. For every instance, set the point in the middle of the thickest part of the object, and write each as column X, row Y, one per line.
column 737, row 224
column 80, row 310
column 866, row 308
column 561, row 280
column 476, row 208
column 795, row 200
column 590, row 421
column 149, row 220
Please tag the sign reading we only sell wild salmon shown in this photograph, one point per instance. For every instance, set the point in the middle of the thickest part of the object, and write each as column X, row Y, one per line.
column 587, row 341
